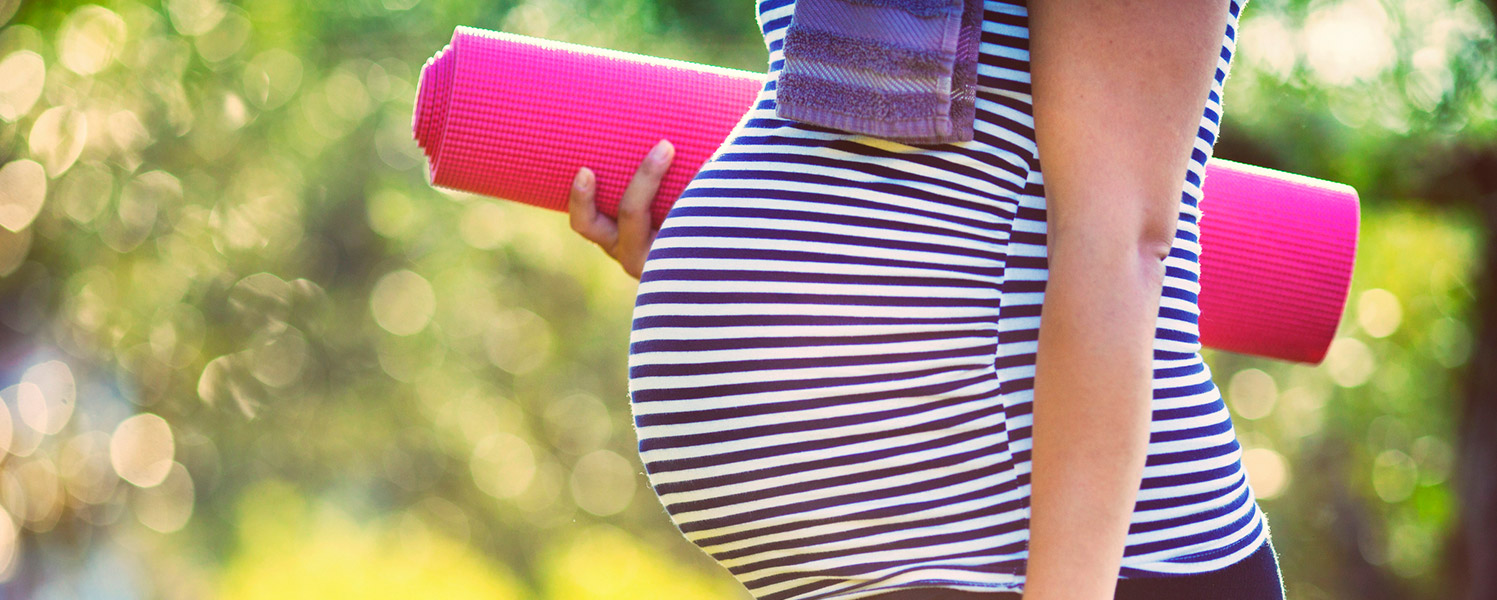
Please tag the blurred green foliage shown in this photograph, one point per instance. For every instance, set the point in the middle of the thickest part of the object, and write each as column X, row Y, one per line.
column 246, row 351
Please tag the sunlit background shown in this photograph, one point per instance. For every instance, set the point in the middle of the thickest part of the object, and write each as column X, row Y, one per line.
column 247, row 352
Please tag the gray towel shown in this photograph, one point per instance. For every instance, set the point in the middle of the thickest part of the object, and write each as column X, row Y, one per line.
column 903, row 70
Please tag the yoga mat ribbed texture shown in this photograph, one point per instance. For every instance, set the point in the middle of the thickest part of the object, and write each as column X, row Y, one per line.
column 1277, row 251
column 513, row 117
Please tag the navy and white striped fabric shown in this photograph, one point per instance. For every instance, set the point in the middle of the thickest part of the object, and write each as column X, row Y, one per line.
column 832, row 358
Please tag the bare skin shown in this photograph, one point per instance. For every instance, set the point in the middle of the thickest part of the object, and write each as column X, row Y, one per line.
column 628, row 239
column 1119, row 87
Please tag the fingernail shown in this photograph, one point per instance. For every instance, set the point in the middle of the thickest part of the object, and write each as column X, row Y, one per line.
column 583, row 180
column 660, row 151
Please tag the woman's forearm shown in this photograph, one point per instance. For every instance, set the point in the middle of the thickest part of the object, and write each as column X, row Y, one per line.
column 1091, row 416
column 1119, row 88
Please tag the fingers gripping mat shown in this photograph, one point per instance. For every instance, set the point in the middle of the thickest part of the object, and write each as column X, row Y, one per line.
column 514, row 117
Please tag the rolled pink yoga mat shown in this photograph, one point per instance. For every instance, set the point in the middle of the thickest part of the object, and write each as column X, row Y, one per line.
column 514, row 117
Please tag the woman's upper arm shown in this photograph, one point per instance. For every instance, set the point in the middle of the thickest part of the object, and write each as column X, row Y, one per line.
column 1119, row 88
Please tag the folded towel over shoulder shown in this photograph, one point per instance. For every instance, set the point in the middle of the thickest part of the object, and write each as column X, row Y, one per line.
column 903, row 70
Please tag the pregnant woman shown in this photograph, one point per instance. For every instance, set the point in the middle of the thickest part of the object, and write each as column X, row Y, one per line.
column 866, row 369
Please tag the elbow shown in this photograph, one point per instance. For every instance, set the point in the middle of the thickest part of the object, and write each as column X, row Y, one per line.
column 1153, row 246
column 1137, row 243
column 1155, row 231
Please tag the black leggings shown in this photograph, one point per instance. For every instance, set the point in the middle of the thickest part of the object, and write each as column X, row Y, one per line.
column 1253, row 578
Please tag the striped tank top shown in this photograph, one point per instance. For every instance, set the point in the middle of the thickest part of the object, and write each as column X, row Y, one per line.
column 831, row 365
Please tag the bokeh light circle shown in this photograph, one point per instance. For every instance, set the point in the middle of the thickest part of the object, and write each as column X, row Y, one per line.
column 1378, row 312
column 603, row 483
column 168, row 506
column 141, row 450
column 1268, row 472
column 57, row 138
column 23, row 189
column 1253, row 393
column 46, row 396
column 22, row 76
column 403, row 302
column 1349, row 362
column 90, row 39
column 10, row 542
column 503, row 465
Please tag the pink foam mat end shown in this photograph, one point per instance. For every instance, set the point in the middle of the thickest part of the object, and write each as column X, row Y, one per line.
column 1278, row 254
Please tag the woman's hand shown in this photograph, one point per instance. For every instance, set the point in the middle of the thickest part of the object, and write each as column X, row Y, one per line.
column 627, row 240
